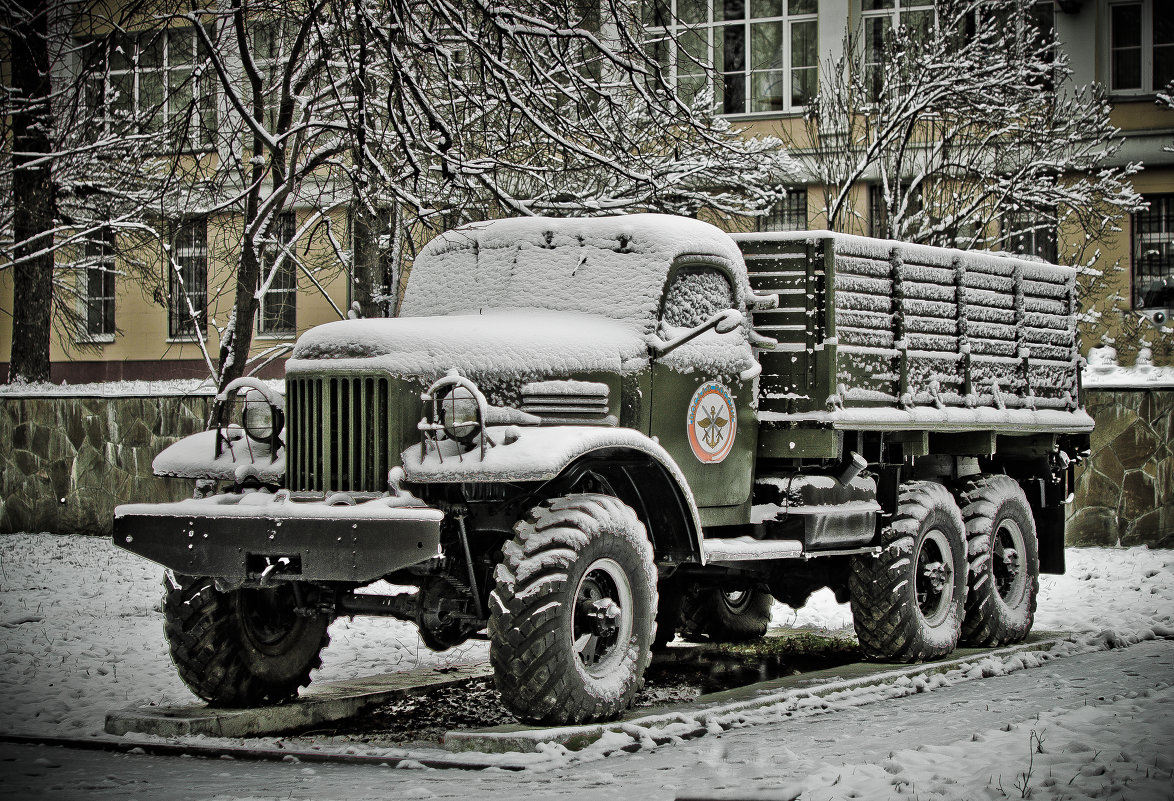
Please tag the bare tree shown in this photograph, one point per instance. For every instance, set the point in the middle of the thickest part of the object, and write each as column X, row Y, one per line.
column 87, row 170
column 395, row 117
column 970, row 131
column 411, row 112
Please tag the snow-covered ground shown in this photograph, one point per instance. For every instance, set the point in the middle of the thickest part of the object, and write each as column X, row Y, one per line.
column 81, row 632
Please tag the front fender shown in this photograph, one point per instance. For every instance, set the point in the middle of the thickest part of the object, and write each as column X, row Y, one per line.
column 542, row 454
column 240, row 457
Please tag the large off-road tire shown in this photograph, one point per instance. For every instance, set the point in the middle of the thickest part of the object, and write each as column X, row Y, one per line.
column 246, row 647
column 908, row 602
column 573, row 613
column 1004, row 561
column 725, row 616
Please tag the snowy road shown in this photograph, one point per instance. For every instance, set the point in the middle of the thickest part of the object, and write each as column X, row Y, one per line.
column 1104, row 722
column 80, row 634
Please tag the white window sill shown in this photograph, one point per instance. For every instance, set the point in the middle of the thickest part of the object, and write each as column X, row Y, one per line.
column 95, row 339
column 292, row 335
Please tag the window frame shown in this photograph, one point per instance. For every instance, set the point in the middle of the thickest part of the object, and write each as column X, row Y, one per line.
column 283, row 296
column 789, row 214
column 98, row 259
column 192, row 262
column 1042, row 234
column 1146, row 50
column 894, row 12
column 1161, row 268
column 673, row 33
column 191, row 97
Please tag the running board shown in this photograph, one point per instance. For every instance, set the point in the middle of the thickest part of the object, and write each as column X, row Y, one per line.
column 748, row 549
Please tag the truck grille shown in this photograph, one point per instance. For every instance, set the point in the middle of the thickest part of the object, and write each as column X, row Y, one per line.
column 337, row 433
column 577, row 402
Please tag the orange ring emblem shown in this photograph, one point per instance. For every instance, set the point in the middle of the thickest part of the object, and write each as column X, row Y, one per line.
column 713, row 422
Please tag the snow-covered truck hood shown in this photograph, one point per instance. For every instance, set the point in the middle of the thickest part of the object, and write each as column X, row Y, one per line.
column 503, row 344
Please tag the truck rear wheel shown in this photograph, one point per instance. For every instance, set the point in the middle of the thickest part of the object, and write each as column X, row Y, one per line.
column 246, row 647
column 725, row 616
column 1004, row 561
column 572, row 616
column 907, row 603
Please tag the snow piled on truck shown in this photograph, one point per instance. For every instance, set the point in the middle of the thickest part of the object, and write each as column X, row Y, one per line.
column 615, row 266
column 530, row 343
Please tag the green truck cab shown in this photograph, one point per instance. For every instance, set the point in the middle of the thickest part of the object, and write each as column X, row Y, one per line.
column 584, row 437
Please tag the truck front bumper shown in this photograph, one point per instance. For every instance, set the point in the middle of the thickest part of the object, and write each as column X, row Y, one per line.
column 241, row 538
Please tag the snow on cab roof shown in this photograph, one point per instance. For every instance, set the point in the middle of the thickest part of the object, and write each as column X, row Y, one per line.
column 611, row 266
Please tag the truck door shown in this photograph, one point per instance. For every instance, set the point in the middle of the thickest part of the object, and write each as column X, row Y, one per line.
column 702, row 392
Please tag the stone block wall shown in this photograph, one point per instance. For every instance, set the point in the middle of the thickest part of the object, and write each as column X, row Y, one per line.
column 68, row 460
column 1125, row 491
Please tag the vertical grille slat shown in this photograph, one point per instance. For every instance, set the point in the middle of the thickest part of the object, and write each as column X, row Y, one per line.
column 343, row 479
column 339, row 433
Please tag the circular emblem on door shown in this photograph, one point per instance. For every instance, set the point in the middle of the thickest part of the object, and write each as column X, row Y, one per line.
column 712, row 422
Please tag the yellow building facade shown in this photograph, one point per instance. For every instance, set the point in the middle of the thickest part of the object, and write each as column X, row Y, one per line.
column 141, row 330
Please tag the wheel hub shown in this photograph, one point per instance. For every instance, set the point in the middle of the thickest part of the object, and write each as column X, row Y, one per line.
column 602, row 616
column 1006, row 563
column 934, row 577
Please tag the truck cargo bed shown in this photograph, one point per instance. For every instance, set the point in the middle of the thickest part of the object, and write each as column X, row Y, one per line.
column 877, row 335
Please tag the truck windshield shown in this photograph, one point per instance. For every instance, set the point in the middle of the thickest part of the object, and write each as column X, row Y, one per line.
column 579, row 278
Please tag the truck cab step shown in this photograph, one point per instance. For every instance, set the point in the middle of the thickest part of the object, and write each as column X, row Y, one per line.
column 746, row 548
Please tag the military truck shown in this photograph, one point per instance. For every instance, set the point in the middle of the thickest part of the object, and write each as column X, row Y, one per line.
column 584, row 437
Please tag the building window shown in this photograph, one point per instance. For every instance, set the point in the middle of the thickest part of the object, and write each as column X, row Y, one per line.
column 1031, row 235
column 880, row 19
column 1153, row 253
column 789, row 214
column 189, row 279
column 905, row 199
column 148, row 83
column 97, row 282
column 765, row 53
column 878, row 211
column 1141, row 46
column 278, row 315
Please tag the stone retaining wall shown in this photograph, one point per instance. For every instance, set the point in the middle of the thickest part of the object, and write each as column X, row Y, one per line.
column 69, row 460
column 1125, row 491
column 72, row 459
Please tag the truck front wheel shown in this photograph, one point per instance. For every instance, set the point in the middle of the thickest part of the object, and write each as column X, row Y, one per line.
column 724, row 615
column 1004, row 561
column 572, row 615
column 246, row 647
column 907, row 603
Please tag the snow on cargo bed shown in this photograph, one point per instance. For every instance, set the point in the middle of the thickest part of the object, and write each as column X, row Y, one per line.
column 616, row 266
column 881, row 249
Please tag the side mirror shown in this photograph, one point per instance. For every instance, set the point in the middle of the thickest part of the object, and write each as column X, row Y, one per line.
column 723, row 322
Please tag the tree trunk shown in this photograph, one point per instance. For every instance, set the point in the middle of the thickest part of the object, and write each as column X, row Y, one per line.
column 34, row 201
column 369, row 280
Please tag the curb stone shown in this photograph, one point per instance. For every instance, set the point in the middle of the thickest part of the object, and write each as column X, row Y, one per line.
column 325, row 703
column 526, row 739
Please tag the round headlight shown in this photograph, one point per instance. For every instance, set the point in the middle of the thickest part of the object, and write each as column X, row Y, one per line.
column 459, row 414
column 258, row 416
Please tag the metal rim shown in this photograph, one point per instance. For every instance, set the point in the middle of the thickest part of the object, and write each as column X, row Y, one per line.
column 602, row 617
column 268, row 619
column 934, row 577
column 1007, row 551
column 736, row 600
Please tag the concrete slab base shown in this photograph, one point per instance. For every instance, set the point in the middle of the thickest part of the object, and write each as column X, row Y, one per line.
column 526, row 739
column 323, row 703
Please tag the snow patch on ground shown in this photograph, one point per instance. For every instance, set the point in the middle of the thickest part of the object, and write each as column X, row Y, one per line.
column 81, row 632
